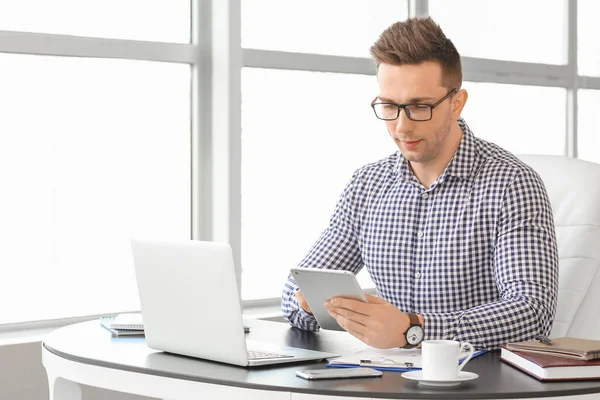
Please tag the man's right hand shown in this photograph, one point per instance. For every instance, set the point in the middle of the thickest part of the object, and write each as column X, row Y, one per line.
column 302, row 302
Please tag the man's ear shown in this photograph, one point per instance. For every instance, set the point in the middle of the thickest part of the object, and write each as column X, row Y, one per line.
column 458, row 103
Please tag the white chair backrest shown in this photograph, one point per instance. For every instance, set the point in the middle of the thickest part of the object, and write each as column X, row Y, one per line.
column 573, row 186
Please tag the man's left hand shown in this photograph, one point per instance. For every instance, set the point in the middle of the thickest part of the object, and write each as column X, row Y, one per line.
column 377, row 323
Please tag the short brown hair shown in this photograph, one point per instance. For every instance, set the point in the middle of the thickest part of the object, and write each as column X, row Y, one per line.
column 417, row 40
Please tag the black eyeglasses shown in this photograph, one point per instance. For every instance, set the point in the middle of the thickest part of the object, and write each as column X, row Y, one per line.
column 415, row 112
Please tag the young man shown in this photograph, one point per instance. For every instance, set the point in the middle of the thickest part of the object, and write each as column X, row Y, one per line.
column 457, row 233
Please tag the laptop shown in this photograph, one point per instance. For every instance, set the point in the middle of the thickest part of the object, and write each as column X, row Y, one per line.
column 191, row 306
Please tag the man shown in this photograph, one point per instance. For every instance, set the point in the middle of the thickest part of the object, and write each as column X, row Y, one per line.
column 456, row 233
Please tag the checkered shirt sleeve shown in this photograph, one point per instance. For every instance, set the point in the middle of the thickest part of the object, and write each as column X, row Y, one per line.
column 526, row 274
column 336, row 248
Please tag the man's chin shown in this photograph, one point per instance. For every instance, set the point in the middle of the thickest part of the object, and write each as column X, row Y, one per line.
column 413, row 156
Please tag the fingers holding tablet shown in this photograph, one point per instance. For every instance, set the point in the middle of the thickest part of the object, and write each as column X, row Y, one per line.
column 302, row 302
column 319, row 285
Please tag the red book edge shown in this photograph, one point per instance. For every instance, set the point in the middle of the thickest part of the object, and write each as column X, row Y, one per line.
column 535, row 358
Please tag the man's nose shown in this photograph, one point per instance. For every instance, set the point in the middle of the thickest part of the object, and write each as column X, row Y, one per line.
column 403, row 124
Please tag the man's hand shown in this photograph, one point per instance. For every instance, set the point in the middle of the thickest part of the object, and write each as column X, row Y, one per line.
column 302, row 302
column 377, row 323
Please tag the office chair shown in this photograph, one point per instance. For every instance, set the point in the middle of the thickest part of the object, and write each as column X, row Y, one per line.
column 573, row 186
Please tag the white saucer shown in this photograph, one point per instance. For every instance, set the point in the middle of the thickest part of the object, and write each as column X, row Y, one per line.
column 418, row 376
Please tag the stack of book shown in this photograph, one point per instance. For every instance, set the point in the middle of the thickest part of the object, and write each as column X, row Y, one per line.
column 564, row 359
column 129, row 324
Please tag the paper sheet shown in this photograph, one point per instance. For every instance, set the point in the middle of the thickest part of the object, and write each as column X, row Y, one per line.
column 391, row 358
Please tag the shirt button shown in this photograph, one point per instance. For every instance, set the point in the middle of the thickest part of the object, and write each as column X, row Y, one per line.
column 420, row 234
column 418, row 275
column 425, row 196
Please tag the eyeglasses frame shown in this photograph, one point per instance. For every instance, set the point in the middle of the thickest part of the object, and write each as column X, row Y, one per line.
column 403, row 106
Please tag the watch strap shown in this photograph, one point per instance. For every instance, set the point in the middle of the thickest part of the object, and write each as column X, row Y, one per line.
column 414, row 319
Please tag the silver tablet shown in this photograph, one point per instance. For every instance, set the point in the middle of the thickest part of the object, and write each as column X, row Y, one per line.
column 320, row 285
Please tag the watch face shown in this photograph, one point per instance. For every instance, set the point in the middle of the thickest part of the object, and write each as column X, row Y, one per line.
column 414, row 335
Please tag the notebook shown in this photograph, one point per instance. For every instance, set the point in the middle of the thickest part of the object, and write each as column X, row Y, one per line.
column 578, row 349
column 124, row 324
column 128, row 324
column 192, row 285
column 547, row 367
column 131, row 321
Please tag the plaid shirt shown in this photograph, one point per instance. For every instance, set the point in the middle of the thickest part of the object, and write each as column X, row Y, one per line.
column 475, row 253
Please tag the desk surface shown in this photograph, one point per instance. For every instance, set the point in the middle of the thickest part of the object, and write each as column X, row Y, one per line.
column 89, row 343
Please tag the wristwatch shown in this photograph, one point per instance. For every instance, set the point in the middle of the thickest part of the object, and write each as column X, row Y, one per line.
column 414, row 334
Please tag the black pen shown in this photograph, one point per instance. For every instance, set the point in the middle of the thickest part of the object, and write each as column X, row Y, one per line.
column 544, row 339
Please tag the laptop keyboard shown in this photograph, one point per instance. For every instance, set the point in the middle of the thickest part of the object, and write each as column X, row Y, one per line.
column 265, row 355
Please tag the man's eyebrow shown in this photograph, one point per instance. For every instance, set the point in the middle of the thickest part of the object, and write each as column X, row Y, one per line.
column 410, row 101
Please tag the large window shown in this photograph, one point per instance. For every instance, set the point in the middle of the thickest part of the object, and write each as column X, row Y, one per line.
column 512, row 30
column 91, row 152
column 300, row 147
column 335, row 27
column 522, row 119
column 237, row 120
column 588, row 141
column 587, row 37
column 304, row 133
column 153, row 20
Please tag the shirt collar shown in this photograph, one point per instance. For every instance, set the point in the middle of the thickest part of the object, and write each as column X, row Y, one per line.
column 462, row 163
column 404, row 170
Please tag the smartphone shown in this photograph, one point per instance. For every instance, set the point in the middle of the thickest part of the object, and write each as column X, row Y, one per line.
column 338, row 373
column 320, row 285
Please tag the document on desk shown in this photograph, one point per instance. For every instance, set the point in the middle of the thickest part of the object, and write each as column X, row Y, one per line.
column 386, row 359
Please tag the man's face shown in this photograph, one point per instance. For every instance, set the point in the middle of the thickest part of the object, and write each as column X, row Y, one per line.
column 419, row 142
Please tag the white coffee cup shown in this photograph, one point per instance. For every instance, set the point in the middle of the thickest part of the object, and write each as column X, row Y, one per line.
column 440, row 359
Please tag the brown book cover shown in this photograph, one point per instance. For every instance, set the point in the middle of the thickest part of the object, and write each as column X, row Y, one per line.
column 581, row 349
column 547, row 367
